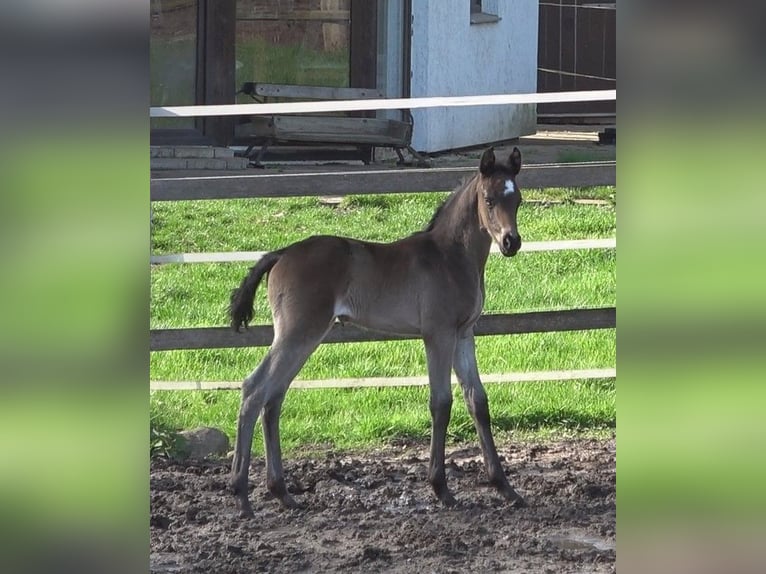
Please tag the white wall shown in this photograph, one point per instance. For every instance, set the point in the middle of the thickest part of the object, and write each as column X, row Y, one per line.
column 452, row 57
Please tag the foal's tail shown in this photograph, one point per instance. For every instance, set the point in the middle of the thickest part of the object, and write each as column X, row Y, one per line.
column 241, row 302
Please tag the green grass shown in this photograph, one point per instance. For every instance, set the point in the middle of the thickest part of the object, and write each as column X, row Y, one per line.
column 197, row 294
column 357, row 418
column 264, row 224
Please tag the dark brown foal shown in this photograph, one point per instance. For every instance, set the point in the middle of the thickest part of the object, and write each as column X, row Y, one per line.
column 429, row 284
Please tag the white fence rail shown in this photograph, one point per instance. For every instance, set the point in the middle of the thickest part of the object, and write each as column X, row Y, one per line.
column 527, row 377
column 253, row 256
column 378, row 104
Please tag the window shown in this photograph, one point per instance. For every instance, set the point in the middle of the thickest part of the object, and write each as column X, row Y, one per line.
column 484, row 12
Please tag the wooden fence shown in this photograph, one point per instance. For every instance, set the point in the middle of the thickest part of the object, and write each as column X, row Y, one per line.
column 175, row 186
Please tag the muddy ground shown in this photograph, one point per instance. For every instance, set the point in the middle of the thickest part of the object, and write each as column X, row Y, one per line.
column 374, row 512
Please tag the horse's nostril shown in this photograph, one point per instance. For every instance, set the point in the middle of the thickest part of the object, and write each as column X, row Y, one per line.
column 511, row 242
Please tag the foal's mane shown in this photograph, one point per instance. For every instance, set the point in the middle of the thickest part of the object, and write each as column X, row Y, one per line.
column 440, row 210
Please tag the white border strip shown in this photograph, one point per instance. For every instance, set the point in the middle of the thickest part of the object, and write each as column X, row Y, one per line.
column 253, row 256
column 378, row 104
column 528, row 377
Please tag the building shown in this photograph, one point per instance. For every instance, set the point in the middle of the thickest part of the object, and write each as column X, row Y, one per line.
column 202, row 50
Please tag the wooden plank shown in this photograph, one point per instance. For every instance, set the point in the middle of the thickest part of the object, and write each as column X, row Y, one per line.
column 376, row 382
column 327, row 129
column 168, row 187
column 315, row 92
column 501, row 324
column 253, row 256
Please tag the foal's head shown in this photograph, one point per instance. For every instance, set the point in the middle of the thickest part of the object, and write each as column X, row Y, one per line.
column 499, row 200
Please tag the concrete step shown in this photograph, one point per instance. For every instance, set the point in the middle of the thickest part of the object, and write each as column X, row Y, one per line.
column 175, row 163
column 194, row 157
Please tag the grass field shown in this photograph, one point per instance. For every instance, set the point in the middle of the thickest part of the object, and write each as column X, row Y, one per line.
column 197, row 294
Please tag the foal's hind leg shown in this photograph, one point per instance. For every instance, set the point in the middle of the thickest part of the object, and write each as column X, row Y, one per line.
column 475, row 397
column 264, row 390
column 439, row 350
column 275, row 480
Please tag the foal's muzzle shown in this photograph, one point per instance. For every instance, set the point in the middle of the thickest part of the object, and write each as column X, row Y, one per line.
column 510, row 245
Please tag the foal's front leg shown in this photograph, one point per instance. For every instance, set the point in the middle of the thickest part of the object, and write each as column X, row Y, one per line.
column 476, row 400
column 439, row 352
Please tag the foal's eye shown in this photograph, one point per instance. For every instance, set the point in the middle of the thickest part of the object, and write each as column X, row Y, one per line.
column 490, row 202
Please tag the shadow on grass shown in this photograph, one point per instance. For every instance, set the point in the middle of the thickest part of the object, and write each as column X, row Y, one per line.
column 564, row 419
column 367, row 201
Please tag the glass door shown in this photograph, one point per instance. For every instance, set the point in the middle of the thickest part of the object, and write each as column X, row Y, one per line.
column 173, row 58
column 192, row 62
column 301, row 42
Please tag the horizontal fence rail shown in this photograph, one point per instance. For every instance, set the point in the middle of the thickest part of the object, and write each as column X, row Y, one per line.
column 526, row 377
column 494, row 324
column 379, row 104
column 253, row 256
column 165, row 187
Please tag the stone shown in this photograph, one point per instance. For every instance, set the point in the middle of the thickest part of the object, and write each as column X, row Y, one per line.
column 203, row 442
column 237, row 163
column 194, row 152
column 223, row 152
column 202, row 163
column 168, row 163
column 161, row 151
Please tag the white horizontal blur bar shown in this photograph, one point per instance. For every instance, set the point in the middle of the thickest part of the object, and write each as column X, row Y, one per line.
column 253, row 256
column 379, row 104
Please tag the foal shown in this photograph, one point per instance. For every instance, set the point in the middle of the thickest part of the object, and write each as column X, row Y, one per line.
column 429, row 284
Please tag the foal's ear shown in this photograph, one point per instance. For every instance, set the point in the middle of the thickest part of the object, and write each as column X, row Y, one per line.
column 487, row 161
column 514, row 161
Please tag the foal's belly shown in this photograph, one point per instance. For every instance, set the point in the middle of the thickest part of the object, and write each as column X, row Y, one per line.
column 386, row 318
column 410, row 314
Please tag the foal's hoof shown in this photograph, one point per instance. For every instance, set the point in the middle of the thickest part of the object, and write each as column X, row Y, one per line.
column 515, row 499
column 288, row 501
column 245, row 510
column 507, row 492
column 446, row 498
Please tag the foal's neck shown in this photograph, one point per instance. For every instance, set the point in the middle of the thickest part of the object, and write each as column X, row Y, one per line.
column 458, row 225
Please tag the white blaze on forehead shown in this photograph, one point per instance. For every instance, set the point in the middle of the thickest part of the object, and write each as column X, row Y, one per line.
column 509, row 187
